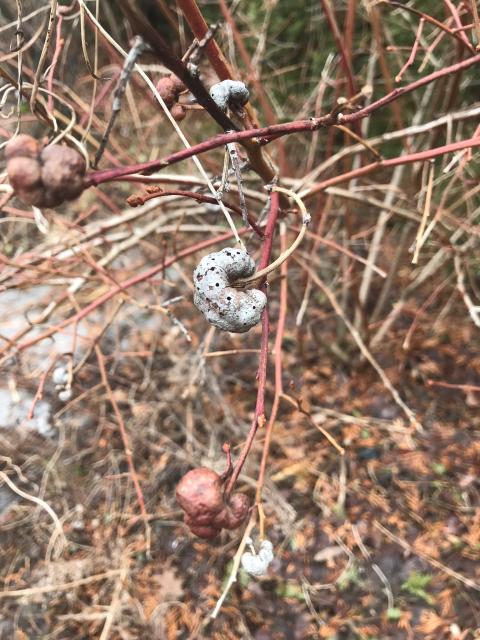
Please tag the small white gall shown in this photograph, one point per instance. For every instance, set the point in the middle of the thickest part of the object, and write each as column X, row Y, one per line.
column 60, row 375
column 65, row 395
column 231, row 94
column 256, row 564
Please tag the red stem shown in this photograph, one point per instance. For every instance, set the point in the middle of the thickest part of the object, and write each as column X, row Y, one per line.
column 278, row 371
column 136, row 200
column 259, row 415
column 432, row 20
column 274, row 131
column 458, row 22
column 339, row 42
column 393, row 162
column 413, row 53
column 197, row 24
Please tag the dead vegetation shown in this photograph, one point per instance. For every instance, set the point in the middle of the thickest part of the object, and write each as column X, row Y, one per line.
column 350, row 412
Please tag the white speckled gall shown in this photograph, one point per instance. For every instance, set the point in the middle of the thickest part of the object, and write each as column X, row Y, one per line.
column 222, row 305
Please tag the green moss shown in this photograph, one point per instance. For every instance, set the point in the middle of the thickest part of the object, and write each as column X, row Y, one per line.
column 416, row 585
column 290, row 589
column 394, row 614
column 349, row 578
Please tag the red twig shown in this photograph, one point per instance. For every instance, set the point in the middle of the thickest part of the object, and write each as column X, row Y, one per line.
column 432, row 20
column 393, row 162
column 413, row 52
column 339, row 42
column 41, row 386
column 197, row 24
column 456, row 18
column 259, row 415
column 278, row 370
column 137, row 200
column 349, row 29
column 275, row 131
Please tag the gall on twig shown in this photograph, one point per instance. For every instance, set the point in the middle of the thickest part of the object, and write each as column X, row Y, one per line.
column 233, row 95
column 222, row 304
column 207, row 509
column 44, row 177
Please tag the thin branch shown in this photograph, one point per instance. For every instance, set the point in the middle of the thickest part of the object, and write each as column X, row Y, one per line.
column 259, row 415
column 58, row 534
column 62, row 586
column 274, row 131
column 435, row 563
column 431, row 19
column 143, row 27
column 126, row 445
column 413, row 53
column 136, row 50
column 426, row 213
column 43, row 55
